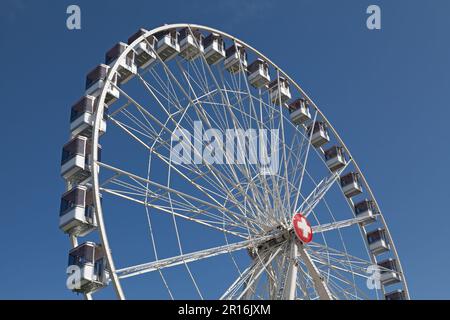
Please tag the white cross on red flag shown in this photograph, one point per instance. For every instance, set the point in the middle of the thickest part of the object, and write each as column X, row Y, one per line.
column 302, row 228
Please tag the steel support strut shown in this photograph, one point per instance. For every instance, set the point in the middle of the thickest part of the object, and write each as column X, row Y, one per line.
column 291, row 278
column 319, row 283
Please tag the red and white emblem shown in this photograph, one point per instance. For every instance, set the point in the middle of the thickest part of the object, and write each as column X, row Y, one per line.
column 302, row 228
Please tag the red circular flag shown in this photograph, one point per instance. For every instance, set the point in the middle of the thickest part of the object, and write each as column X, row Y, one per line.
column 302, row 228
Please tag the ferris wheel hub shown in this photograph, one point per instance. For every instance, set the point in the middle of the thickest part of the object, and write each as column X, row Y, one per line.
column 281, row 235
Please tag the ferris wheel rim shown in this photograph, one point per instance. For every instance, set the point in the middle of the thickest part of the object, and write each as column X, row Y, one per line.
column 95, row 142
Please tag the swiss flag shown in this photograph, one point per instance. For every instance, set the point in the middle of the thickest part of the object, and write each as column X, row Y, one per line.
column 302, row 228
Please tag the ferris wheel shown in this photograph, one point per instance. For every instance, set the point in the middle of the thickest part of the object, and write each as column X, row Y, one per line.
column 157, row 204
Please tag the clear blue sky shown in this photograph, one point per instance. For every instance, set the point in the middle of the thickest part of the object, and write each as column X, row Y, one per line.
column 386, row 92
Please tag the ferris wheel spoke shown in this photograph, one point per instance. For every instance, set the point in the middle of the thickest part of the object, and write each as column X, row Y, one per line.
column 232, row 228
column 319, row 192
column 338, row 224
column 190, row 257
column 206, row 191
column 147, row 116
column 175, row 102
column 293, row 165
column 261, row 176
column 224, row 98
column 181, row 206
column 145, row 129
column 335, row 278
column 129, row 130
column 162, row 93
column 153, row 149
column 334, row 255
column 283, row 168
column 319, row 284
column 145, row 125
column 130, row 133
column 201, row 116
column 263, row 181
column 244, row 278
column 229, row 197
column 202, row 110
column 340, row 291
column 245, row 168
column 119, row 109
column 223, row 121
column 139, row 130
column 335, row 266
column 154, row 94
column 216, row 205
column 193, row 79
column 240, row 97
column 167, row 89
column 192, row 213
column 296, row 176
column 143, row 109
column 341, row 265
column 198, row 77
column 175, row 224
column 264, row 266
column 251, row 118
column 303, row 168
column 276, row 192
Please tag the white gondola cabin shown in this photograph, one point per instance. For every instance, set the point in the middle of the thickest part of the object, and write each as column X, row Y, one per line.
column 389, row 272
column 366, row 210
column 214, row 48
column 299, row 111
column 279, row 91
column 258, row 73
column 90, row 259
column 335, row 158
column 77, row 213
column 82, row 117
column 377, row 241
column 395, row 295
column 235, row 58
column 95, row 81
column 167, row 45
column 127, row 69
column 350, row 184
column 144, row 52
column 76, row 160
column 319, row 134
column 191, row 43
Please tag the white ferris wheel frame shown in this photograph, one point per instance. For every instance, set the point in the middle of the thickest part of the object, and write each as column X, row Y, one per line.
column 297, row 250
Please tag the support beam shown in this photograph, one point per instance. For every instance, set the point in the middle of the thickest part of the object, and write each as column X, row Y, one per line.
column 319, row 284
column 319, row 192
column 339, row 224
column 189, row 257
column 291, row 279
